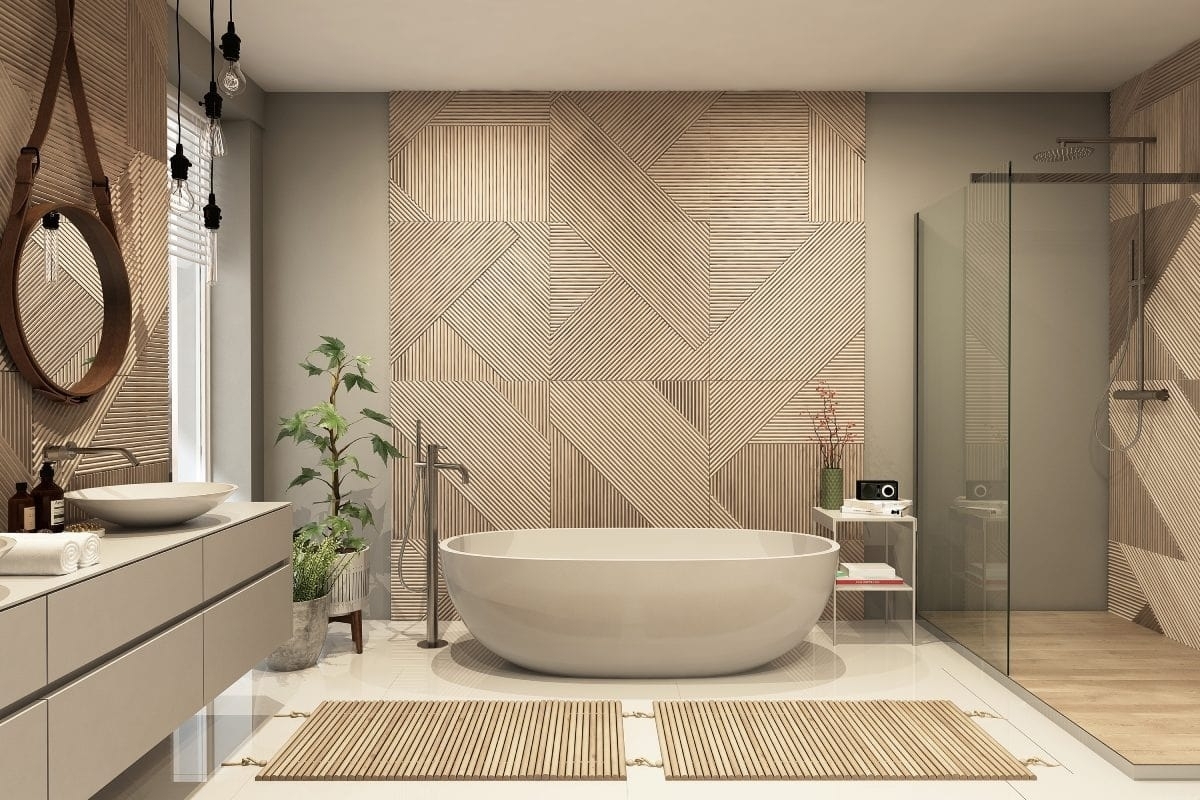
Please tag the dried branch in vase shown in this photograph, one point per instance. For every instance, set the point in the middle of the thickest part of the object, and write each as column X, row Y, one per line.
column 832, row 435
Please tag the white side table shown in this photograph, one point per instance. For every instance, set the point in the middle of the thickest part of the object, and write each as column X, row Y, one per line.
column 825, row 523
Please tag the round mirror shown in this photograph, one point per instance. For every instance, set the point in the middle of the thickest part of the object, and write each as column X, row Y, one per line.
column 64, row 302
column 60, row 300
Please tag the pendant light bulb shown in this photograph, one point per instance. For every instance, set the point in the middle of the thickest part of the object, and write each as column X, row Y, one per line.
column 233, row 80
column 51, row 247
column 212, row 224
column 212, row 142
column 182, row 199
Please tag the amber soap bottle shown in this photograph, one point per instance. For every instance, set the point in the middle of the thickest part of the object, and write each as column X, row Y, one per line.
column 51, row 507
column 22, row 511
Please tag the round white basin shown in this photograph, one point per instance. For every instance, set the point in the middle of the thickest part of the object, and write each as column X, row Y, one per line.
column 150, row 505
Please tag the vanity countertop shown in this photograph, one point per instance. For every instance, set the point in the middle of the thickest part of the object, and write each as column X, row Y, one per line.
column 123, row 546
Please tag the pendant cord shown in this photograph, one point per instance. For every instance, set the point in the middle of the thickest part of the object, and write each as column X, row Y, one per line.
column 178, row 75
column 212, row 40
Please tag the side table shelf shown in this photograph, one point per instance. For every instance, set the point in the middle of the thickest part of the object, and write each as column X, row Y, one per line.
column 826, row 522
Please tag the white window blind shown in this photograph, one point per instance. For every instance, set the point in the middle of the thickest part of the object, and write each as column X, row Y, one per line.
column 191, row 453
column 186, row 237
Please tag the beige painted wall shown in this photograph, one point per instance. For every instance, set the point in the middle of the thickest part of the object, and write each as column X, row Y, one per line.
column 921, row 148
column 325, row 270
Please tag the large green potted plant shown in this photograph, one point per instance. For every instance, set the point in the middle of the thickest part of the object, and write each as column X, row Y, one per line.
column 314, row 569
column 335, row 439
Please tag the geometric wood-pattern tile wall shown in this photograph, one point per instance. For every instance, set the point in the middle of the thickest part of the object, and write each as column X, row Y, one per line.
column 122, row 50
column 614, row 306
column 1154, row 507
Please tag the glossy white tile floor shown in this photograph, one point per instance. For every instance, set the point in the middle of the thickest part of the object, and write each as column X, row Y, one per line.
column 869, row 661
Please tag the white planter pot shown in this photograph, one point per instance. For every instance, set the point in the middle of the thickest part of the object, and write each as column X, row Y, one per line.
column 352, row 585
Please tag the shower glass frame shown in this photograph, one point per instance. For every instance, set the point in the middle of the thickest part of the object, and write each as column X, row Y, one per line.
column 962, row 414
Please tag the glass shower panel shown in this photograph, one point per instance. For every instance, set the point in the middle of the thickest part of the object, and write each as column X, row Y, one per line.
column 963, row 355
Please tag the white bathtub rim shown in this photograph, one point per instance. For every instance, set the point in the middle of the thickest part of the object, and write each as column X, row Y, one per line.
column 445, row 547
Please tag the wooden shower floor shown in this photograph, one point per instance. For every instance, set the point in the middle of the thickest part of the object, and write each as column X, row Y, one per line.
column 1135, row 690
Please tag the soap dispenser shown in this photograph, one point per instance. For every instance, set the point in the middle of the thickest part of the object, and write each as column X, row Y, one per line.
column 22, row 511
column 51, row 508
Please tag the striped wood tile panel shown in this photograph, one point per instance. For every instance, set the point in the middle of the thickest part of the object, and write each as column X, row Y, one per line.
column 471, row 740
column 828, row 740
column 605, row 303
column 122, row 47
column 1154, row 535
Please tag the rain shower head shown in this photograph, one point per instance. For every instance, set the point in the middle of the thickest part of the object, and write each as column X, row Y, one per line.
column 1064, row 152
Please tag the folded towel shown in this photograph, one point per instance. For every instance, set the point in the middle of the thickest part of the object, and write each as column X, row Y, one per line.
column 89, row 546
column 40, row 554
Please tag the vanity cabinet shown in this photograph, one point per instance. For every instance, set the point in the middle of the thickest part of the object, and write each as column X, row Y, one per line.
column 103, row 664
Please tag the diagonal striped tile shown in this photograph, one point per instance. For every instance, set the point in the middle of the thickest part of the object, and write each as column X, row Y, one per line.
column 744, row 254
column 452, row 413
column 616, row 336
column 581, row 496
column 624, row 217
column 836, row 166
column 669, row 489
column 846, row 114
column 576, row 273
column 843, row 374
column 738, row 410
column 819, row 290
column 505, row 314
column 494, row 108
column 643, row 124
column 432, row 264
column 441, row 354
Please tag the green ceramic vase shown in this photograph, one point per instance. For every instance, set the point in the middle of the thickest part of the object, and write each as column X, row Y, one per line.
column 831, row 488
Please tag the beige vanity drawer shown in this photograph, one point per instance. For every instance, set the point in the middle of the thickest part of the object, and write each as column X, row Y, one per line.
column 23, row 645
column 107, row 719
column 235, row 555
column 244, row 628
column 93, row 618
column 23, row 754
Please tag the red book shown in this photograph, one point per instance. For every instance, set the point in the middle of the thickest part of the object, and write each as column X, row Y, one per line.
column 863, row 581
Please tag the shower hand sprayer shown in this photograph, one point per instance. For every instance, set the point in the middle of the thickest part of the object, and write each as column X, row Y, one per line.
column 427, row 465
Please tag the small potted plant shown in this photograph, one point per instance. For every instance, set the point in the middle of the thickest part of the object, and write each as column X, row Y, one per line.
column 832, row 436
column 335, row 439
column 314, row 569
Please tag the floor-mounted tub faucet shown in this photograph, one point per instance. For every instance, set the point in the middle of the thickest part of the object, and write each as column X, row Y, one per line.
column 70, row 450
column 428, row 471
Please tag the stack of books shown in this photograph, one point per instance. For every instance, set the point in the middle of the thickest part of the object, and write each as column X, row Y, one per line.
column 893, row 508
column 867, row 573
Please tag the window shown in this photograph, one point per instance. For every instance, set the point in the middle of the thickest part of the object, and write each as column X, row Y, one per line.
column 191, row 457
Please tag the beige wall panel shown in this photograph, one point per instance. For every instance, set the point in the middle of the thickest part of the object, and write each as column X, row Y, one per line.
column 676, row 300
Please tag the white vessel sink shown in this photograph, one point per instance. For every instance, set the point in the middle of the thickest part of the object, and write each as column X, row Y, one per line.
column 150, row 505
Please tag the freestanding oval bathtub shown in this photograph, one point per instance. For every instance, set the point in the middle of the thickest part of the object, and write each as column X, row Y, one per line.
column 640, row 602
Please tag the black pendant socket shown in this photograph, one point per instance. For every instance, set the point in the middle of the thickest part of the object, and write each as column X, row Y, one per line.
column 231, row 44
column 212, row 102
column 51, row 221
column 180, row 164
column 212, row 213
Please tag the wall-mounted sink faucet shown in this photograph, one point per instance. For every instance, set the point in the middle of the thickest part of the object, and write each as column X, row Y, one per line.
column 71, row 450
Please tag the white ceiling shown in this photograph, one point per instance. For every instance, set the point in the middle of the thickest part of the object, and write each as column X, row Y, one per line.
column 874, row 45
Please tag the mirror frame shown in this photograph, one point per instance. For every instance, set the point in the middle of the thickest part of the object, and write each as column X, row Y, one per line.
column 114, row 284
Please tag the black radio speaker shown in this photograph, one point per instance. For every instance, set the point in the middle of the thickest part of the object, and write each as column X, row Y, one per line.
column 877, row 490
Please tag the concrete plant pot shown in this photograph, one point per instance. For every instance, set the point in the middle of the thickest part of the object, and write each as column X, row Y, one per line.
column 310, row 620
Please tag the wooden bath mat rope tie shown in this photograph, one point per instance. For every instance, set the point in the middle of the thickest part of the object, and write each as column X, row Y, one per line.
column 977, row 714
column 637, row 715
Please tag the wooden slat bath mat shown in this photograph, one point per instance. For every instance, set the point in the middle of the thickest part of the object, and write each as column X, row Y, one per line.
column 454, row 740
column 828, row 740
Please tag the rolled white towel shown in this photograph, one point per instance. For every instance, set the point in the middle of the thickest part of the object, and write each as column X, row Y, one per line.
column 89, row 546
column 40, row 554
